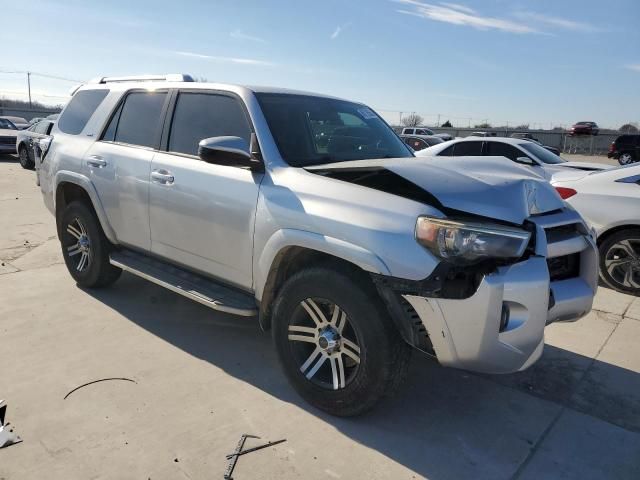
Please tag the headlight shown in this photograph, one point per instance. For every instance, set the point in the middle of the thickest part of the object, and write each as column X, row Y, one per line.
column 462, row 242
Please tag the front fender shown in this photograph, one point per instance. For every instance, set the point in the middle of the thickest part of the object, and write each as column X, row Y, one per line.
column 87, row 185
column 288, row 237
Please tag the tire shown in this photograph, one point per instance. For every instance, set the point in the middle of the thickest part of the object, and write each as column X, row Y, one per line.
column 620, row 261
column 25, row 160
column 352, row 357
column 626, row 158
column 85, row 248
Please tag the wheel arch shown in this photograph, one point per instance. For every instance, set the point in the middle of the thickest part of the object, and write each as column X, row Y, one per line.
column 71, row 186
column 618, row 228
column 289, row 251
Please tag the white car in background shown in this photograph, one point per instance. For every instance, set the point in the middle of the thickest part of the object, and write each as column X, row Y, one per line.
column 610, row 202
column 544, row 162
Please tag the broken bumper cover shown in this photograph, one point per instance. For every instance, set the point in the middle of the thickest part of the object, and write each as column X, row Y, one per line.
column 467, row 333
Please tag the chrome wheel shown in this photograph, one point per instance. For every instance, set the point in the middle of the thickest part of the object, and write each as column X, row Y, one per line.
column 625, row 159
column 324, row 343
column 78, row 245
column 622, row 262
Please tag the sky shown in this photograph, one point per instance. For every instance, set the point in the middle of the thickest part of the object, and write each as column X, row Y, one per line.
column 540, row 62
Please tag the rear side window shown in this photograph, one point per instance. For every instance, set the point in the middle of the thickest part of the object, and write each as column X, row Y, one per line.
column 447, row 152
column 203, row 115
column 79, row 111
column 467, row 149
column 499, row 149
column 42, row 127
column 140, row 120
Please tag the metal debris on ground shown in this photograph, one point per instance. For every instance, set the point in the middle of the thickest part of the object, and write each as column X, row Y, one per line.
column 97, row 381
column 233, row 457
column 7, row 437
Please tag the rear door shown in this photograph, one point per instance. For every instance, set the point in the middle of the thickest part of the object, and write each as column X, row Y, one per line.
column 120, row 162
column 202, row 214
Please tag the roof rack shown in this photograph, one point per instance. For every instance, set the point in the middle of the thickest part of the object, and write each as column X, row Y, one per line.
column 172, row 77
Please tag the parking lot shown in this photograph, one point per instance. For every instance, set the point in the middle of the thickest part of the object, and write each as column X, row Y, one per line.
column 201, row 379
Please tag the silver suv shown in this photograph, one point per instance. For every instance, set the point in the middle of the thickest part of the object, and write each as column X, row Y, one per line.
column 310, row 213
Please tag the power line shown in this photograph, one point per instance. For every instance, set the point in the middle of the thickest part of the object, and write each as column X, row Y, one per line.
column 45, row 75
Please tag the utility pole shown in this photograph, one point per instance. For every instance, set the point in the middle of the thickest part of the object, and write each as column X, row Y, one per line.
column 400, row 119
column 29, row 87
column 438, row 124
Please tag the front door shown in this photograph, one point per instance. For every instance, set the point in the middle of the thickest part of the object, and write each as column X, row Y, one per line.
column 202, row 215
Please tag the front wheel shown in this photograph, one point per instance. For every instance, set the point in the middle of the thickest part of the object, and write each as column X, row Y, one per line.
column 336, row 342
column 25, row 161
column 85, row 248
column 626, row 158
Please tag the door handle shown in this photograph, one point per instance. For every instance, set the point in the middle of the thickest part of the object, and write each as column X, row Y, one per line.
column 96, row 161
column 162, row 176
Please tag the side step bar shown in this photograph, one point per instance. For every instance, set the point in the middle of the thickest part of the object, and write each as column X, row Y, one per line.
column 196, row 287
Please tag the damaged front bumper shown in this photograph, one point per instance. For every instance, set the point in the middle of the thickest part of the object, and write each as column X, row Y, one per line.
column 472, row 334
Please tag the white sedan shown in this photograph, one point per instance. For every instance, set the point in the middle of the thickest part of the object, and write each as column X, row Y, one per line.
column 610, row 202
column 525, row 152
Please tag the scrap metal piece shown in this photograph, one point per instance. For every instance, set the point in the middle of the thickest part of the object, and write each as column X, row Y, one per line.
column 234, row 459
column 253, row 449
column 7, row 437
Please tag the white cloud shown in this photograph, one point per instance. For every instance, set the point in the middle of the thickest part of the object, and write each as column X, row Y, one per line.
column 558, row 22
column 240, row 35
column 236, row 60
column 633, row 66
column 339, row 29
column 457, row 14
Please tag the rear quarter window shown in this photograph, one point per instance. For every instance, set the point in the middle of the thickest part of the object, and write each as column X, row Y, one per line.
column 79, row 111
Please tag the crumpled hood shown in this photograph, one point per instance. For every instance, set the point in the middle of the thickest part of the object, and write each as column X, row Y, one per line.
column 492, row 187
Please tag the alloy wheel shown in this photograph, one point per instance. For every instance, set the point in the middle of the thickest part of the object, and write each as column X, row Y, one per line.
column 324, row 344
column 626, row 159
column 78, row 245
column 622, row 262
column 23, row 156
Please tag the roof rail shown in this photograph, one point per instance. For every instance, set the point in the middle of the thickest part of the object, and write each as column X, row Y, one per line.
column 172, row 77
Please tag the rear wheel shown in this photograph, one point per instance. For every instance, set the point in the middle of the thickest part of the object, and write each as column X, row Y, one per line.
column 85, row 248
column 25, row 161
column 626, row 158
column 336, row 342
column 620, row 261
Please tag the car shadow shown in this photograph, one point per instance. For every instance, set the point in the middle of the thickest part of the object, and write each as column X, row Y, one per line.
column 8, row 158
column 438, row 425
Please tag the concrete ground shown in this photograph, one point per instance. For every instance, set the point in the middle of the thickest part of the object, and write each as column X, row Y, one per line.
column 202, row 379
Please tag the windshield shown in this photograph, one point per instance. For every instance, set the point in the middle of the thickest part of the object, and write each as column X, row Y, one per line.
column 314, row 130
column 4, row 123
column 542, row 153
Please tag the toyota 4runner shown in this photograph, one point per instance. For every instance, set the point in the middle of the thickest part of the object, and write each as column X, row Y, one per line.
column 310, row 213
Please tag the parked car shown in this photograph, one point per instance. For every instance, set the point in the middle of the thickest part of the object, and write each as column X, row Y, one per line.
column 584, row 128
column 35, row 120
column 625, row 149
column 27, row 142
column 418, row 142
column 610, row 202
column 425, row 131
column 8, row 133
column 531, row 138
column 483, row 134
column 19, row 122
column 351, row 252
column 525, row 152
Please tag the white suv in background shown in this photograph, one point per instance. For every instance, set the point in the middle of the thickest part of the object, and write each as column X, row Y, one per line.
column 310, row 213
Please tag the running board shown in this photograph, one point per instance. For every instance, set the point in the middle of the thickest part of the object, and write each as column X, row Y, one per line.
column 196, row 287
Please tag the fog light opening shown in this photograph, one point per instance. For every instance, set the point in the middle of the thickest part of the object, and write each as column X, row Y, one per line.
column 504, row 318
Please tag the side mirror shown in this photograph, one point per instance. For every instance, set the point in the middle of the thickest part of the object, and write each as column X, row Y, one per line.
column 525, row 161
column 230, row 151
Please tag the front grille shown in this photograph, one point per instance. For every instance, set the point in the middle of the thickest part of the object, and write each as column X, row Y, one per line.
column 7, row 140
column 564, row 267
